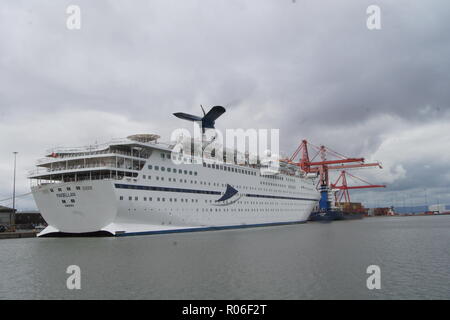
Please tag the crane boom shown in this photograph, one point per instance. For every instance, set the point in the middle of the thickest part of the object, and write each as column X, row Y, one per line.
column 322, row 167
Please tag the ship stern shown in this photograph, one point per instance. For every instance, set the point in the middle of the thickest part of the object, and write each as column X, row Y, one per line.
column 81, row 208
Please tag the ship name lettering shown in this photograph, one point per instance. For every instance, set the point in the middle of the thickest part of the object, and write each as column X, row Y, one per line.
column 66, row 195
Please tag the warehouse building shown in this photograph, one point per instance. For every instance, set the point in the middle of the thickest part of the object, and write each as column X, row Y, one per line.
column 7, row 216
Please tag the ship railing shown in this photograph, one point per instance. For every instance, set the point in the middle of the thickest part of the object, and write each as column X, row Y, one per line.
column 84, row 154
column 93, row 177
column 37, row 171
column 88, row 148
column 100, row 147
column 76, row 167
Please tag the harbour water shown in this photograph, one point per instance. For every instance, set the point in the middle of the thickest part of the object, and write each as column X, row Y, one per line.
column 307, row 261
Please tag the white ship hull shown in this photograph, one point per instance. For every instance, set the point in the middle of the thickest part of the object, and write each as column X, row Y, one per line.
column 99, row 211
column 104, row 206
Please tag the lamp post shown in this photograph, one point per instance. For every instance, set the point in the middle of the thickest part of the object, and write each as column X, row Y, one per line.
column 14, row 189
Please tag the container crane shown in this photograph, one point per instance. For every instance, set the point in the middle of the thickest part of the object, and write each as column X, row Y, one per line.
column 321, row 164
column 342, row 193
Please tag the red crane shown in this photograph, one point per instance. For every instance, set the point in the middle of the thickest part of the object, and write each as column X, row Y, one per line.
column 343, row 187
column 324, row 165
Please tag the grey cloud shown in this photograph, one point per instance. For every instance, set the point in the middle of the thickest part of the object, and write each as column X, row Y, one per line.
column 312, row 70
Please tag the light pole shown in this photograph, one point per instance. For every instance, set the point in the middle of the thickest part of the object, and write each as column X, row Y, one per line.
column 14, row 189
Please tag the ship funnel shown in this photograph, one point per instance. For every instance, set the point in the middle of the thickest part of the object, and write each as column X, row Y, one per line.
column 208, row 120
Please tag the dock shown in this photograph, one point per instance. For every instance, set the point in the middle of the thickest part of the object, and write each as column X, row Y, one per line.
column 18, row 234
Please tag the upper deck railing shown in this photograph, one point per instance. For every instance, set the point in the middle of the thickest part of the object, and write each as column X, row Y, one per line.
column 86, row 154
column 70, row 153
column 87, row 148
column 108, row 166
column 103, row 146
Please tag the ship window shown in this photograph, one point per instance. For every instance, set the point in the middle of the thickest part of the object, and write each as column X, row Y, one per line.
column 63, row 201
column 130, row 198
column 150, row 167
column 121, row 197
column 190, row 173
column 72, row 200
column 156, row 168
column 163, row 199
column 195, row 173
column 209, row 166
column 185, row 171
column 180, row 171
column 145, row 198
column 157, row 178
column 163, row 169
column 162, row 178
column 169, row 170
column 158, row 199
column 136, row 198
column 51, row 190
column 150, row 199
column 59, row 189
column 162, row 155
column 144, row 176
column 204, row 164
column 78, row 188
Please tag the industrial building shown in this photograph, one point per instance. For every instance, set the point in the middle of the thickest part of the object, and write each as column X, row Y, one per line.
column 29, row 220
column 7, row 216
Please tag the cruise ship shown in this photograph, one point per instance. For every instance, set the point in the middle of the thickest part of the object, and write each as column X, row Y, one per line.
column 133, row 186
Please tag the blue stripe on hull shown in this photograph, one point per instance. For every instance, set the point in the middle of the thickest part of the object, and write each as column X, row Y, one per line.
column 208, row 228
column 167, row 189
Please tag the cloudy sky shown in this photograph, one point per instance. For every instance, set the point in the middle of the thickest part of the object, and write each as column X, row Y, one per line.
column 312, row 69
